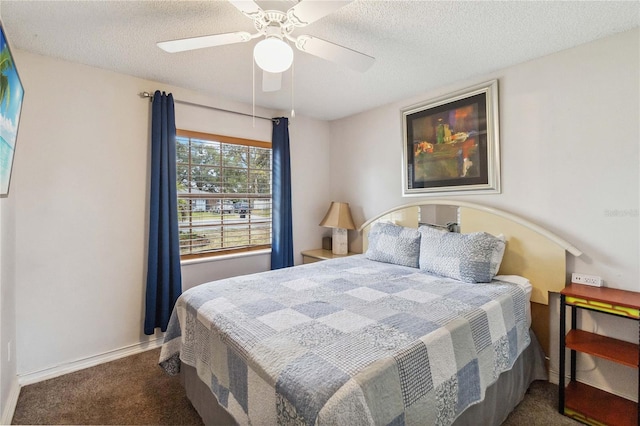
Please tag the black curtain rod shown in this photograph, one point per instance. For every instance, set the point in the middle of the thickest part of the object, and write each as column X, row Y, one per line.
column 150, row 96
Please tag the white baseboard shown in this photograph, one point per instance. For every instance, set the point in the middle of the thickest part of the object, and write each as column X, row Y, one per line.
column 10, row 403
column 70, row 367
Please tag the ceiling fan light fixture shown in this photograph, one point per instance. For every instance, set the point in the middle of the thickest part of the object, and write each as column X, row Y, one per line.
column 273, row 55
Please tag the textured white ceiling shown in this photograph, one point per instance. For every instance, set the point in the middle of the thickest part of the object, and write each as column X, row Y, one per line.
column 418, row 45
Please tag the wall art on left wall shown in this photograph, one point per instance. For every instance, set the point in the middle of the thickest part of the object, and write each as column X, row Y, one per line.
column 11, row 96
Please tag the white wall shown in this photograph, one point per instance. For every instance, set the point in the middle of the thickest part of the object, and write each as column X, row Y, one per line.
column 569, row 132
column 310, row 181
column 8, row 382
column 79, row 189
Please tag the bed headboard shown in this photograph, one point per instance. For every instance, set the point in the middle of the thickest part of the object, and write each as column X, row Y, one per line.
column 531, row 251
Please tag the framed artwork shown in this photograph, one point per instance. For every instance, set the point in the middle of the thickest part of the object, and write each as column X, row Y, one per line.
column 11, row 95
column 451, row 144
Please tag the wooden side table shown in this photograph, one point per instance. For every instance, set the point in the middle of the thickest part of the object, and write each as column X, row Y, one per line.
column 586, row 403
column 316, row 255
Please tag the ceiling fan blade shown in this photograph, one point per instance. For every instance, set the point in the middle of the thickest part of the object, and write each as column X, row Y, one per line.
column 271, row 82
column 248, row 7
column 334, row 53
column 192, row 43
column 308, row 11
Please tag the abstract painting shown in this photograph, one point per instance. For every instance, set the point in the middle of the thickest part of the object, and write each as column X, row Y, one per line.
column 451, row 143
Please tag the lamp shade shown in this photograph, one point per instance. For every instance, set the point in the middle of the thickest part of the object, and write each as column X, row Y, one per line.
column 338, row 216
column 273, row 55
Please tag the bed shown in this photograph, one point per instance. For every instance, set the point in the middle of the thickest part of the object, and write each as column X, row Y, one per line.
column 401, row 334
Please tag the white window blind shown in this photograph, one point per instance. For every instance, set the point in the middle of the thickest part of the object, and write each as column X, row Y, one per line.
column 224, row 194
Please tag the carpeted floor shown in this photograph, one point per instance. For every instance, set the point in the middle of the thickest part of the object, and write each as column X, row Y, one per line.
column 135, row 391
column 128, row 391
column 539, row 408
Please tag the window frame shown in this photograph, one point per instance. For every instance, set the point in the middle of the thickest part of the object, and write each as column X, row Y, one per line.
column 182, row 133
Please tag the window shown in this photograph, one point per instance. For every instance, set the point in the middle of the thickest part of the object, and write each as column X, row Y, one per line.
column 224, row 194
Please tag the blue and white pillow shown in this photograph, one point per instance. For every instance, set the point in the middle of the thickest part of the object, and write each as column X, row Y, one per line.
column 473, row 258
column 392, row 243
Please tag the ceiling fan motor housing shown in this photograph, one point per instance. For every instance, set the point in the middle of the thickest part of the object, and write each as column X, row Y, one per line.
column 274, row 23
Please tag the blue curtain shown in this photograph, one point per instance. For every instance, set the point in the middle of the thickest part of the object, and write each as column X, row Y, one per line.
column 164, row 281
column 282, row 232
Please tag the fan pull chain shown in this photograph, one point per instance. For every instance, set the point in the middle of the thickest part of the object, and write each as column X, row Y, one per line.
column 253, row 91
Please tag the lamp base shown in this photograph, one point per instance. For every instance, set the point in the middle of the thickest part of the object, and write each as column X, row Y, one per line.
column 339, row 243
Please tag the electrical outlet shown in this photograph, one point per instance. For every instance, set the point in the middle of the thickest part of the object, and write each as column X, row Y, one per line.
column 592, row 280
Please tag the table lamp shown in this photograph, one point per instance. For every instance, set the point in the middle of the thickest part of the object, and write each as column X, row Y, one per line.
column 339, row 218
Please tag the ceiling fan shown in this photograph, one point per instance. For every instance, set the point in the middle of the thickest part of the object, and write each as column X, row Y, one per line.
column 273, row 54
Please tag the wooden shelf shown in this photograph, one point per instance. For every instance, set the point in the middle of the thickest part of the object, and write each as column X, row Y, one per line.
column 609, row 300
column 586, row 404
column 604, row 347
column 583, row 402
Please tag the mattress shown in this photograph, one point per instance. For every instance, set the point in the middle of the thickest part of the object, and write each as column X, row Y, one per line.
column 348, row 341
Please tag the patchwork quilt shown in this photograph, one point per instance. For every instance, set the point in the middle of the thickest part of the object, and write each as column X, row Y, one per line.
column 347, row 341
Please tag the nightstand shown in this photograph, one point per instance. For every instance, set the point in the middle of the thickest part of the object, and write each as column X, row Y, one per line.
column 578, row 400
column 316, row 255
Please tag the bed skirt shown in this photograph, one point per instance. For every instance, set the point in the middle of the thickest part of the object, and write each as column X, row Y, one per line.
column 500, row 398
